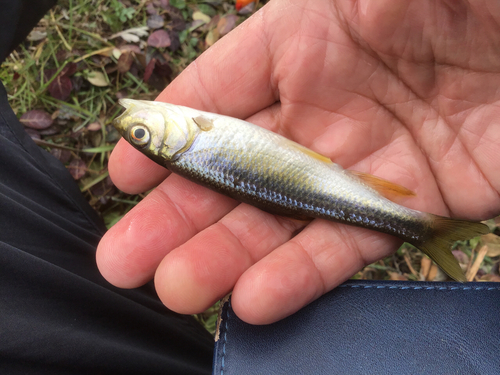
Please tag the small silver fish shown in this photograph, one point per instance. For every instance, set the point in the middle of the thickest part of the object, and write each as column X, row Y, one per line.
column 266, row 170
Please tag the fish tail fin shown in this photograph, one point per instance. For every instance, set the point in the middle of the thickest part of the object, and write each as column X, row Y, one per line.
column 445, row 232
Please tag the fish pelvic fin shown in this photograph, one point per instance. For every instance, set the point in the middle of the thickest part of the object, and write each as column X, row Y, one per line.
column 444, row 233
column 387, row 189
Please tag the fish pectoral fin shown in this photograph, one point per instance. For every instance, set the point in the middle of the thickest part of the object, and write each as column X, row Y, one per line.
column 204, row 123
column 387, row 189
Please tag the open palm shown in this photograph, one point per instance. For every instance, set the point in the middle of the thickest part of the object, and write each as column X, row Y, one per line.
column 407, row 91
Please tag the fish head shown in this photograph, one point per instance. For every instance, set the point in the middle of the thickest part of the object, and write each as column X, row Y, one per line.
column 159, row 130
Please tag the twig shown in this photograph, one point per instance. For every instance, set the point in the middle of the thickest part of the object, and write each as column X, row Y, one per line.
column 98, row 52
column 472, row 272
column 408, row 263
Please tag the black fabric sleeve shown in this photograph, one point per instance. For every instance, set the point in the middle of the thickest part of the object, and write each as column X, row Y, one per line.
column 17, row 19
column 57, row 314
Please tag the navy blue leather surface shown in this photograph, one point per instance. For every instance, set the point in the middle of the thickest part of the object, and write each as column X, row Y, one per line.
column 372, row 327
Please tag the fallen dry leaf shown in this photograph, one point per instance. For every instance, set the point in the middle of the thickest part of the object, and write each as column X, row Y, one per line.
column 125, row 62
column 132, row 35
column 155, row 21
column 94, row 126
column 397, row 276
column 433, row 272
column 490, row 277
column 425, row 266
column 36, row 35
column 36, row 119
column 492, row 242
column 97, row 79
column 77, row 168
column 60, row 88
column 461, row 257
column 149, row 69
column 199, row 16
column 212, row 37
column 226, row 24
column 159, row 39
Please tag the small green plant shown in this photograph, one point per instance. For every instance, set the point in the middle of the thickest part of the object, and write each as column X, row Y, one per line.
column 117, row 15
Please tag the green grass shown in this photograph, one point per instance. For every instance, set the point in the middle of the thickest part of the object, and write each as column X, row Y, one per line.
column 80, row 36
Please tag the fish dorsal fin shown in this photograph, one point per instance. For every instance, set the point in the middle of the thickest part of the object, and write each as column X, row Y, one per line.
column 204, row 123
column 311, row 153
column 385, row 188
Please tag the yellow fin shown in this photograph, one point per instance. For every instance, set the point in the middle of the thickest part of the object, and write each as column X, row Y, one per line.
column 446, row 231
column 386, row 188
column 311, row 153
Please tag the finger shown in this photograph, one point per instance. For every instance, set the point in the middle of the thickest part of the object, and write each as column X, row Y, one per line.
column 201, row 271
column 131, row 250
column 319, row 258
column 132, row 171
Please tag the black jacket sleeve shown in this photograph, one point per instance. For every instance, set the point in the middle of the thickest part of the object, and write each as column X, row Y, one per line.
column 17, row 19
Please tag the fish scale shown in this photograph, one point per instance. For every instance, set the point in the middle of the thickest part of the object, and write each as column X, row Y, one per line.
column 307, row 188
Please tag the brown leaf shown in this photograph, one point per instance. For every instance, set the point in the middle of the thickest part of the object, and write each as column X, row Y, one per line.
column 36, row 119
column 69, row 69
column 226, row 24
column 397, row 276
column 125, row 62
column 155, row 21
column 34, row 134
column 212, row 37
column 175, row 43
column 492, row 242
column 490, row 277
column 77, row 168
column 150, row 9
column 62, row 155
column 247, row 9
column 94, row 126
column 159, row 39
column 60, row 88
column 142, row 60
column 121, row 94
column 178, row 24
column 163, row 70
column 425, row 267
column 461, row 257
column 62, row 55
column 130, row 47
column 433, row 272
column 149, row 69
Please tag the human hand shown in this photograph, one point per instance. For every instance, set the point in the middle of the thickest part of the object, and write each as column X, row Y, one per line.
column 403, row 90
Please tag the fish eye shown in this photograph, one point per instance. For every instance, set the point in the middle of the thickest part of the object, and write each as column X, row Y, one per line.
column 139, row 135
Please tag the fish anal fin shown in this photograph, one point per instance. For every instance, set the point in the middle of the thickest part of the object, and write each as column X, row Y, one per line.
column 387, row 189
column 445, row 232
